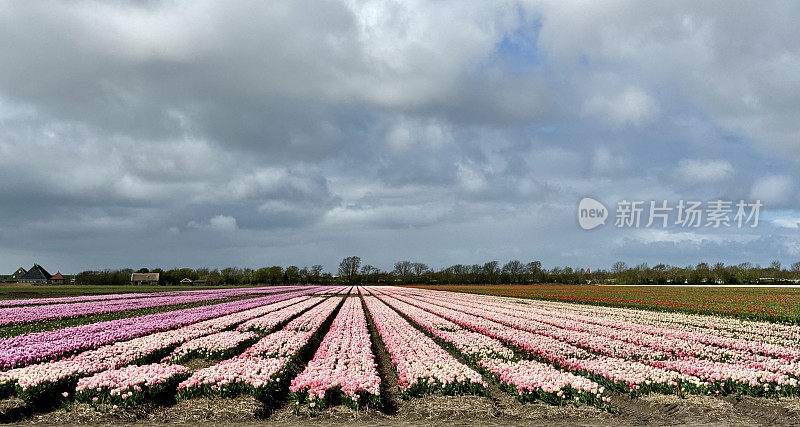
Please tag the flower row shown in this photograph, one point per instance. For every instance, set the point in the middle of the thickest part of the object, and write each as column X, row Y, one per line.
column 743, row 332
column 627, row 376
column 40, row 380
column 270, row 321
column 473, row 345
column 220, row 345
column 422, row 366
column 621, row 340
column 698, row 343
column 609, row 359
column 528, row 380
column 37, row 313
column 35, row 347
column 131, row 384
column 343, row 367
column 261, row 369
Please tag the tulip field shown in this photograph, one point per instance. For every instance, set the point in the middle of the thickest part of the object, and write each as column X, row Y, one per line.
column 761, row 303
column 311, row 349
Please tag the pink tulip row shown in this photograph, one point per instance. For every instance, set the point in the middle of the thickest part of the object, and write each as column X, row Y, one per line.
column 296, row 334
column 422, row 366
column 718, row 331
column 261, row 369
column 343, row 366
column 284, row 343
column 108, row 297
column 131, row 384
column 679, row 342
column 334, row 290
column 82, row 298
column 35, row 347
column 254, row 375
column 270, row 321
column 774, row 333
column 612, row 358
column 530, row 380
column 622, row 339
column 34, row 381
column 311, row 320
column 622, row 374
column 220, row 345
column 472, row 345
column 527, row 380
column 37, row 313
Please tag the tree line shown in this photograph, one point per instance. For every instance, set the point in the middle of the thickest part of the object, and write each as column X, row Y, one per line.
column 351, row 271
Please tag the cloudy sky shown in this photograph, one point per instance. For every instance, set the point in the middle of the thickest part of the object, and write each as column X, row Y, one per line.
column 244, row 133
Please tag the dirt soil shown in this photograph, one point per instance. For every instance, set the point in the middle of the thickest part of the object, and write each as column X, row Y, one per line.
column 496, row 409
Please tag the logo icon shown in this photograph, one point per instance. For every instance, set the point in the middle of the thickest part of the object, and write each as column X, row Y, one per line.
column 591, row 213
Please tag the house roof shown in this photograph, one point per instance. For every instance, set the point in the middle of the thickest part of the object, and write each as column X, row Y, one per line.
column 57, row 276
column 144, row 277
column 37, row 272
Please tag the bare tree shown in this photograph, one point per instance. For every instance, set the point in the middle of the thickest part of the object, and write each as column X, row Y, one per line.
column 348, row 268
column 369, row 270
column 419, row 268
column 402, row 268
column 619, row 267
column 491, row 268
column 534, row 267
column 513, row 268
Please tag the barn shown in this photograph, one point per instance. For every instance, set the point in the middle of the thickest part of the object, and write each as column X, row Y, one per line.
column 37, row 275
column 144, row 278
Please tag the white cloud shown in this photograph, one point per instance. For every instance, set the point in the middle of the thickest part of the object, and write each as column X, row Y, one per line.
column 223, row 223
column 775, row 191
column 787, row 222
column 471, row 178
column 606, row 162
column 695, row 237
column 736, row 61
column 695, row 171
column 217, row 223
column 386, row 216
column 631, row 107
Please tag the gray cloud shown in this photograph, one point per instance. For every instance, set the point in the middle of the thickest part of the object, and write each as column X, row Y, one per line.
column 163, row 133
